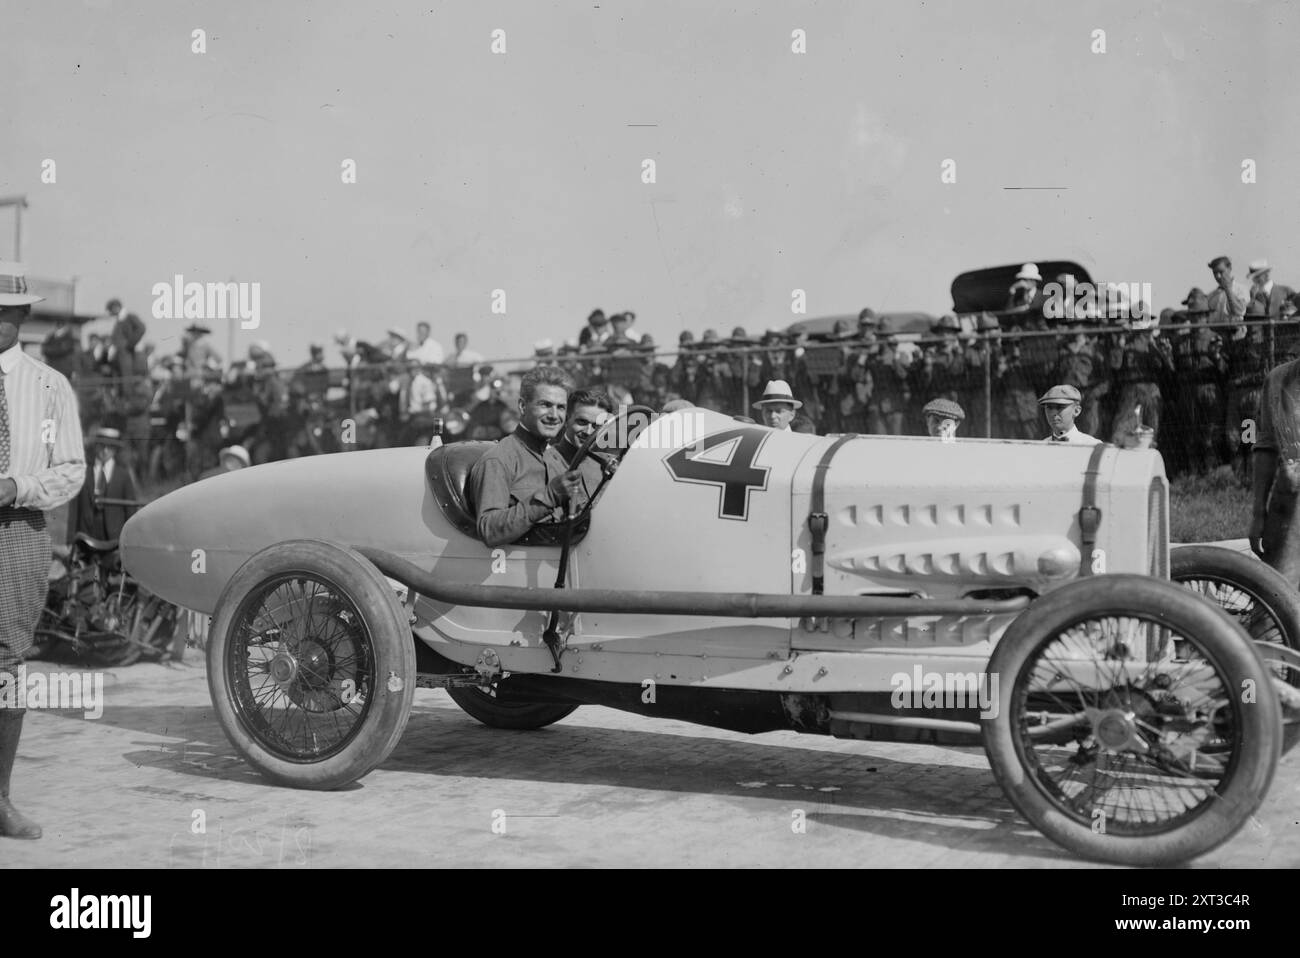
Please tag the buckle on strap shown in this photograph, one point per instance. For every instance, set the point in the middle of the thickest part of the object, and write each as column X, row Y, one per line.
column 817, row 525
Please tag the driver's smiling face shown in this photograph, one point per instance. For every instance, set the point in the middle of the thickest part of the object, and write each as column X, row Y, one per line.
column 543, row 413
column 584, row 421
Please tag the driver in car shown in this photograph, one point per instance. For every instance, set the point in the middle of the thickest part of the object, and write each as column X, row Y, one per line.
column 522, row 482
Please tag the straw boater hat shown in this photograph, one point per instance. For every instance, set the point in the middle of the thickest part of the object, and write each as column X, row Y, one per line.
column 13, row 285
column 778, row 390
column 105, row 436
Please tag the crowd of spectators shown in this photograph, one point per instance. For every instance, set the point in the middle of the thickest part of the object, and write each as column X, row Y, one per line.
column 1190, row 376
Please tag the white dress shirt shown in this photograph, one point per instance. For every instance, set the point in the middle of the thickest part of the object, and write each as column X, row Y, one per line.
column 1075, row 437
column 429, row 352
column 47, row 460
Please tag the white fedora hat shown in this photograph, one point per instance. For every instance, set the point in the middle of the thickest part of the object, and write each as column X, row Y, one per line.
column 13, row 285
column 778, row 390
column 1029, row 271
column 1258, row 266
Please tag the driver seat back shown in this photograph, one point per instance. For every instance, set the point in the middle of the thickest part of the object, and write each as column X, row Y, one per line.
column 447, row 469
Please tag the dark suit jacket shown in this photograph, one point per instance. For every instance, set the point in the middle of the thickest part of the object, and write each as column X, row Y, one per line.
column 1278, row 295
column 102, row 522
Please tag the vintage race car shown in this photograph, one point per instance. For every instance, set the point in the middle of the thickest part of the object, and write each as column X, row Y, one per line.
column 743, row 578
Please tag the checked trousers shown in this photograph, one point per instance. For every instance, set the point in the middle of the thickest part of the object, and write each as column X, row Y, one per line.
column 24, row 565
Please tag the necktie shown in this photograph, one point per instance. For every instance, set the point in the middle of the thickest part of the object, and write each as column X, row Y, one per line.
column 99, row 480
column 4, row 427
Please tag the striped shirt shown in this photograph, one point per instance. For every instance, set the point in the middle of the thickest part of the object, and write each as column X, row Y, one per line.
column 47, row 460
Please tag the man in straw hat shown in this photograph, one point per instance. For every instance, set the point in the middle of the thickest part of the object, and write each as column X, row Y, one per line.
column 778, row 405
column 42, row 465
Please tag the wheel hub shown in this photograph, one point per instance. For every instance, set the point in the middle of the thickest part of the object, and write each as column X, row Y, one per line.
column 309, row 667
column 1116, row 730
column 284, row 667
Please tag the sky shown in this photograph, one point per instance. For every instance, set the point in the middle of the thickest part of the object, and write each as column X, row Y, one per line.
column 775, row 170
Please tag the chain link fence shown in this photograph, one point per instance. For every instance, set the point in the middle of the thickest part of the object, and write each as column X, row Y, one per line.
column 1192, row 385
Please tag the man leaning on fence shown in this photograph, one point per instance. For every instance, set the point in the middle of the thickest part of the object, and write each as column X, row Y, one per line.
column 42, row 465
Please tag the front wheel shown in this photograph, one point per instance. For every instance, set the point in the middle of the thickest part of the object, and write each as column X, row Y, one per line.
column 512, row 715
column 1135, row 723
column 311, row 666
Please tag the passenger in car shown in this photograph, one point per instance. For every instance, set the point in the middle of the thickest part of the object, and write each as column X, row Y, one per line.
column 588, row 411
column 523, row 482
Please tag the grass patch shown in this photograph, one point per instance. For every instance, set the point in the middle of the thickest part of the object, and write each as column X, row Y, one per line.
column 1208, row 508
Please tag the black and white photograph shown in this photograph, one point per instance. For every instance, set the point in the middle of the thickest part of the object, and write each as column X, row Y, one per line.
column 605, row 434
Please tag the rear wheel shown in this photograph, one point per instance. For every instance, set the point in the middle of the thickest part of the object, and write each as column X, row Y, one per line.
column 1136, row 723
column 1258, row 597
column 512, row 715
column 311, row 665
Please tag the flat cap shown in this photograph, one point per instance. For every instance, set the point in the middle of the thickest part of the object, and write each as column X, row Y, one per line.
column 1060, row 396
column 944, row 409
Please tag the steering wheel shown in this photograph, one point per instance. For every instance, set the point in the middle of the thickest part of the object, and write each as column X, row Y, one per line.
column 586, row 449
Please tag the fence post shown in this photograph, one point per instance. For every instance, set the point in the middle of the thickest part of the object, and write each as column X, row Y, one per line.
column 744, row 384
column 988, row 387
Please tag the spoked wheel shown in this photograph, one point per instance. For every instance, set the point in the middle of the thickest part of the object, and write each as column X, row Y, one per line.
column 1258, row 597
column 1136, row 724
column 498, row 713
column 311, row 664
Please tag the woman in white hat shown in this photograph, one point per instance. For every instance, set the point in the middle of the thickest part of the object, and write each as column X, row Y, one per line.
column 778, row 405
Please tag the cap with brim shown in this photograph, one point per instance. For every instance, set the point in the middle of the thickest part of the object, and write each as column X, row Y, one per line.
column 197, row 328
column 1060, row 396
column 396, row 333
column 944, row 409
column 13, row 285
column 778, row 391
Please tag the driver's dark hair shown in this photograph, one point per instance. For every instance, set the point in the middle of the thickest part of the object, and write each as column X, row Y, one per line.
column 543, row 376
column 591, row 397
